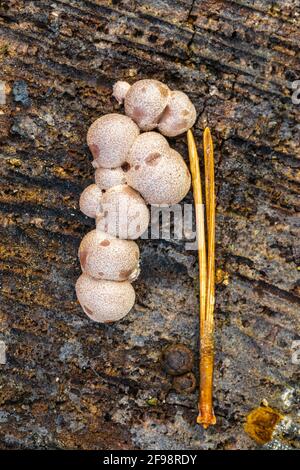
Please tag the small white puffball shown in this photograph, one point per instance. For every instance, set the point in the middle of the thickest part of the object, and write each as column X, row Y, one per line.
column 104, row 301
column 147, row 145
column 108, row 177
column 110, row 138
column 145, row 102
column 124, row 213
column 156, row 171
column 179, row 115
column 90, row 200
column 120, row 90
column 103, row 256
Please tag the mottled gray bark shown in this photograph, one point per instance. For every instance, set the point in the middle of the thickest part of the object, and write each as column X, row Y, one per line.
column 68, row 382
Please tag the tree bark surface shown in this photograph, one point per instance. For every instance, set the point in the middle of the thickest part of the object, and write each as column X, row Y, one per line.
column 71, row 383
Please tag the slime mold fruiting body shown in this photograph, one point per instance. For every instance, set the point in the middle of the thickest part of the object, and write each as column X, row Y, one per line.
column 97, row 247
column 104, row 301
column 151, row 104
column 131, row 171
column 110, row 138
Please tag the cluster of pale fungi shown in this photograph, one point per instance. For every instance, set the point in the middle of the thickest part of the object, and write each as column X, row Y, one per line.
column 132, row 169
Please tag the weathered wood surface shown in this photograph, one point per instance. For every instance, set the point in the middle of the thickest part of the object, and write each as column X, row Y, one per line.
column 70, row 383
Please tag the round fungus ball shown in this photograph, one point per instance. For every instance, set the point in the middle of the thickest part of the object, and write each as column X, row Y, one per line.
column 179, row 115
column 120, row 90
column 105, row 257
column 110, row 138
column 108, row 177
column 151, row 104
column 124, row 213
column 90, row 200
column 146, row 147
column 160, row 176
column 145, row 102
column 104, row 301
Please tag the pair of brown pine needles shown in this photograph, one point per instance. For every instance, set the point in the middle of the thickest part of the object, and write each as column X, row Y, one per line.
column 205, row 229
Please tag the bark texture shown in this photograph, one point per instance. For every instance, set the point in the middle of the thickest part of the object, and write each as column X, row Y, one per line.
column 68, row 382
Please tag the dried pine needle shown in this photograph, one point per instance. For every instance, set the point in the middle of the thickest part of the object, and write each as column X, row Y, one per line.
column 200, row 222
column 210, row 223
column 206, row 415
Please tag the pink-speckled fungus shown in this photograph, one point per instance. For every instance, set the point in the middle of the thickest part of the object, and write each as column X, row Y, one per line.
column 157, row 172
column 131, row 171
column 104, row 301
column 151, row 104
column 110, row 138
